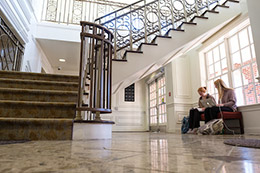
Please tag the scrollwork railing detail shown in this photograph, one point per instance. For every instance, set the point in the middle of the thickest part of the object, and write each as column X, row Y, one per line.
column 74, row 11
column 144, row 20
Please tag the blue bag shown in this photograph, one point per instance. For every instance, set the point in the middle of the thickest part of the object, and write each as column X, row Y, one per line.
column 185, row 125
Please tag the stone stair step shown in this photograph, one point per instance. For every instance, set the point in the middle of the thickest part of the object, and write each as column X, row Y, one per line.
column 38, row 76
column 38, row 84
column 38, row 95
column 30, row 109
column 35, row 129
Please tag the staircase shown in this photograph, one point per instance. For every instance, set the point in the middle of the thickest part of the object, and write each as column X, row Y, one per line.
column 37, row 106
column 149, row 56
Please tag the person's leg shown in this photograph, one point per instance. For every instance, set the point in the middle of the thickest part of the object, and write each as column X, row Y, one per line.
column 191, row 117
column 214, row 112
column 196, row 120
column 207, row 114
column 226, row 109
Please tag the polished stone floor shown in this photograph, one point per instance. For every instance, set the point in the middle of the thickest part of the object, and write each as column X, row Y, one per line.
column 132, row 152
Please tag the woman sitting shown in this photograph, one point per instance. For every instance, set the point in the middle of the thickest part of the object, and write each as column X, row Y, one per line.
column 194, row 117
column 227, row 101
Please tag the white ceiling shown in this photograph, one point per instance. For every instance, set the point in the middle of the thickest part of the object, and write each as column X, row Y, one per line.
column 54, row 50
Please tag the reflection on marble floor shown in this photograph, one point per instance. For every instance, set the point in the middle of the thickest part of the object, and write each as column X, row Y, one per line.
column 132, row 152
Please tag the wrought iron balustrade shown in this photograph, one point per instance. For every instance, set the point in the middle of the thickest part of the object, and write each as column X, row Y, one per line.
column 11, row 49
column 74, row 11
column 146, row 19
column 95, row 71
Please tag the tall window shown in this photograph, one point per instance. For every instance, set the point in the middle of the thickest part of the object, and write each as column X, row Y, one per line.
column 153, row 110
column 157, row 106
column 161, row 100
column 217, row 67
column 233, row 60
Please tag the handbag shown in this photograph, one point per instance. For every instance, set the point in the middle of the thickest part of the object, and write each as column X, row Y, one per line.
column 185, row 125
column 212, row 127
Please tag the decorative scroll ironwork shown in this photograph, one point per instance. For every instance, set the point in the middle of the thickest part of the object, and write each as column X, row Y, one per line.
column 74, row 11
column 11, row 50
column 51, row 10
column 143, row 21
column 95, row 71
column 77, row 11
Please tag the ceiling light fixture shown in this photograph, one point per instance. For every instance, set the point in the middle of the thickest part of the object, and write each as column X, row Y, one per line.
column 62, row 60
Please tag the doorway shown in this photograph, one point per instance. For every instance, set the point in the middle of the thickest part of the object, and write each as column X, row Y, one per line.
column 157, row 105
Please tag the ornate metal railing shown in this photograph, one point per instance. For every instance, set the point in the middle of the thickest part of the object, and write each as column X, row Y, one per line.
column 144, row 20
column 11, row 50
column 74, row 11
column 95, row 71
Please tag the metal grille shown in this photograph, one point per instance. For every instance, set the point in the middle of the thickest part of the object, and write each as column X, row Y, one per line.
column 11, row 50
column 74, row 11
column 143, row 20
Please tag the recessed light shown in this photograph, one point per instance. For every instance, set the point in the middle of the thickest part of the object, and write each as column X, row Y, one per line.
column 62, row 60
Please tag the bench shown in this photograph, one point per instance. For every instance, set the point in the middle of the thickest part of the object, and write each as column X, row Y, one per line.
column 230, row 116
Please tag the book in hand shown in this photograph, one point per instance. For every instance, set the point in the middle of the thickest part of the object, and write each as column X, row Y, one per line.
column 199, row 109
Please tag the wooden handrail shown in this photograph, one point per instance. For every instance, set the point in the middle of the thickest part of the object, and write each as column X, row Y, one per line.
column 95, row 71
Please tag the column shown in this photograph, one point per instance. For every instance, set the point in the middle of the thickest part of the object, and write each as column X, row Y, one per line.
column 253, row 13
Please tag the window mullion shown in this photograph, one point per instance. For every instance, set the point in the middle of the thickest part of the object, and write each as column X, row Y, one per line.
column 206, row 64
column 229, row 64
column 253, row 82
column 240, row 68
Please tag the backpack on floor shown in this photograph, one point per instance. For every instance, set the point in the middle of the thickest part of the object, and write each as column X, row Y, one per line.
column 185, row 125
column 212, row 127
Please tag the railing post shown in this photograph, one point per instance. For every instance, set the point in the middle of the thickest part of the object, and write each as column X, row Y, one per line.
column 60, row 12
column 131, row 32
column 172, row 15
column 145, row 23
column 81, row 70
column 15, row 55
column 185, row 11
column 159, row 18
column 68, row 17
column 44, row 10
column 115, row 37
column 196, row 6
column 208, row 4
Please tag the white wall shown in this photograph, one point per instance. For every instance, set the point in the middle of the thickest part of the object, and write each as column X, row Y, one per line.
column 253, row 11
column 34, row 55
column 20, row 17
column 178, row 82
column 129, row 116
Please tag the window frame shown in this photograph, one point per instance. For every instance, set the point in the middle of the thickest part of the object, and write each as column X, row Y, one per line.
column 157, row 102
column 230, row 69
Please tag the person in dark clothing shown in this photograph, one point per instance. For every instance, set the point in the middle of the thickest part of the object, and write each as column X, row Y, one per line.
column 194, row 116
column 226, row 101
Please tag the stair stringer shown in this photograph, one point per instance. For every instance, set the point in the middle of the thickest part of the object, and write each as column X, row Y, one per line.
column 125, row 73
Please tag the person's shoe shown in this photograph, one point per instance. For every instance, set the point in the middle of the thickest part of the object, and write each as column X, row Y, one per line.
column 194, row 131
column 189, row 131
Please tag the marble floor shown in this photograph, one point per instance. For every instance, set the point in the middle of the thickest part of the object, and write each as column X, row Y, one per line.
column 132, row 152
